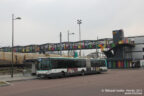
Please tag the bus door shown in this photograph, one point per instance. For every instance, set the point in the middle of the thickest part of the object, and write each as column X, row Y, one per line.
column 72, row 66
column 95, row 65
column 88, row 64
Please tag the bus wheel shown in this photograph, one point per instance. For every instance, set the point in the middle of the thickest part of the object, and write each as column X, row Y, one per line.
column 63, row 74
column 40, row 76
column 82, row 72
column 99, row 72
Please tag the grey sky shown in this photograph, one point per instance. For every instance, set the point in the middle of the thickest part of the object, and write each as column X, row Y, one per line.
column 43, row 20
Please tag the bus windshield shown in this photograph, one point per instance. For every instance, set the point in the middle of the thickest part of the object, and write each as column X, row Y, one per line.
column 44, row 64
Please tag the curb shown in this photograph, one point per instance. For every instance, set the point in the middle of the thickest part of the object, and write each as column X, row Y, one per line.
column 21, row 80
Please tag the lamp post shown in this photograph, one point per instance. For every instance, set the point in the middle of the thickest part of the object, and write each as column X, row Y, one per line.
column 60, row 43
column 79, row 22
column 13, row 18
column 68, row 40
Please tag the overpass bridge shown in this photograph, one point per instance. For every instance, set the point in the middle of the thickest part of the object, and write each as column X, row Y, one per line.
column 116, row 47
column 103, row 44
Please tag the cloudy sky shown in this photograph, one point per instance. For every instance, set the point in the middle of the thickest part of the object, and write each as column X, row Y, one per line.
column 43, row 20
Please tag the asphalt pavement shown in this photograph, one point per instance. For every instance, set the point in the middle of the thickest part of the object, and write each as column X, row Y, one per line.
column 121, row 82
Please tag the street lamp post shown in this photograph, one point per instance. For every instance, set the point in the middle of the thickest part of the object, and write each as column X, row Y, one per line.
column 79, row 22
column 13, row 18
column 68, row 40
column 61, row 43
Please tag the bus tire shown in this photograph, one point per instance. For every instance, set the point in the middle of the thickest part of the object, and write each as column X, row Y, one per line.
column 99, row 72
column 63, row 74
column 82, row 72
column 40, row 76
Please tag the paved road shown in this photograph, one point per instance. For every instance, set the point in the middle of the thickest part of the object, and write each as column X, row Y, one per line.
column 112, row 83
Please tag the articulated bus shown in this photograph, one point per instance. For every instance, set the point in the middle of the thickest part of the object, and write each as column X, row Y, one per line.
column 62, row 66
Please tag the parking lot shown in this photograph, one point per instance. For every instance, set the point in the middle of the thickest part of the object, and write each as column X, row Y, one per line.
column 115, row 82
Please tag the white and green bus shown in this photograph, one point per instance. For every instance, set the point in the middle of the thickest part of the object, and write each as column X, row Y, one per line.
column 64, row 66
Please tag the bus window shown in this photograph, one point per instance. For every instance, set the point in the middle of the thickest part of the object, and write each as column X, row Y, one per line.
column 62, row 64
column 102, row 63
column 71, row 64
column 57, row 63
column 98, row 63
column 54, row 64
column 80, row 63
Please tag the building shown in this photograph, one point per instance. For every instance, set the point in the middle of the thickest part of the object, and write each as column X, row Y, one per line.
column 138, row 50
column 127, row 52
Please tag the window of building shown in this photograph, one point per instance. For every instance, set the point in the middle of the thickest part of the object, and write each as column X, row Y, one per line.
column 143, row 49
column 143, row 56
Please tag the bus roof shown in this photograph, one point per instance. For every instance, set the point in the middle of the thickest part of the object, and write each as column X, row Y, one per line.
column 70, row 58
column 60, row 58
